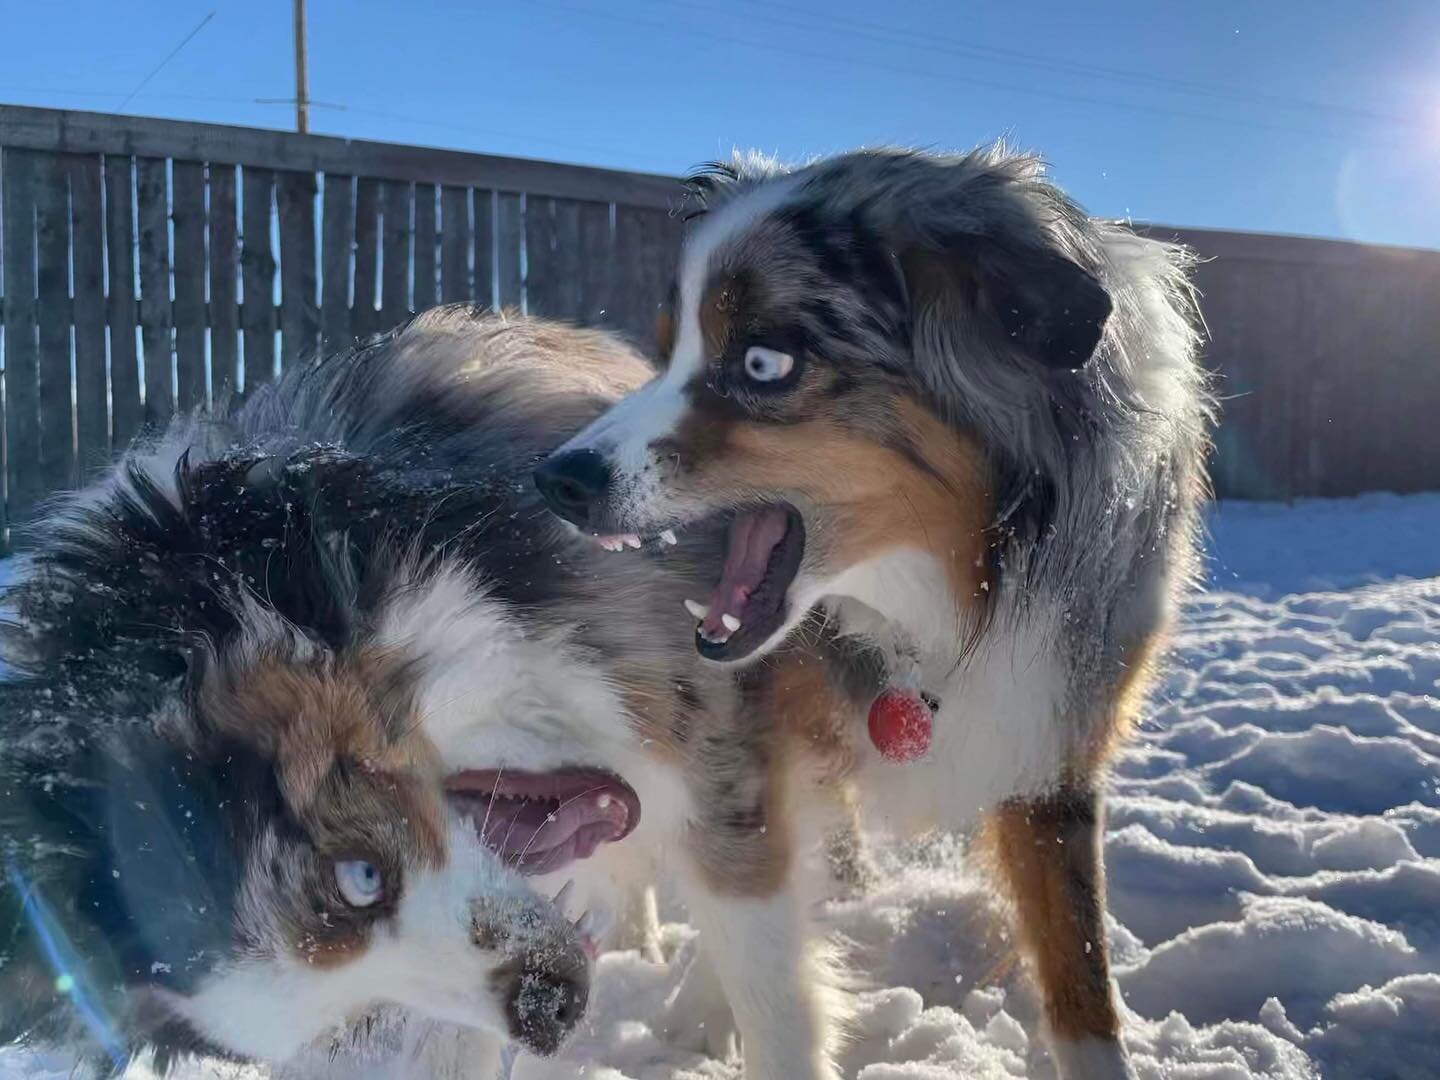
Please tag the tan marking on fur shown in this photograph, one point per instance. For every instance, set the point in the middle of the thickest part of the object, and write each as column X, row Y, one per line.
column 1048, row 862
column 654, row 710
column 309, row 715
column 1128, row 697
column 719, row 308
column 862, row 498
column 665, row 332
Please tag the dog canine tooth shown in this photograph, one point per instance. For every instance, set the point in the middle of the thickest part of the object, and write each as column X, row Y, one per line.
column 697, row 609
column 564, row 894
column 731, row 622
column 631, row 540
column 667, row 536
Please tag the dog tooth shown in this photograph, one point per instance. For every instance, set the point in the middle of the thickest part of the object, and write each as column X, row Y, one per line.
column 631, row 540
column 603, row 801
column 564, row 894
column 585, row 924
column 731, row 622
column 697, row 609
column 668, row 536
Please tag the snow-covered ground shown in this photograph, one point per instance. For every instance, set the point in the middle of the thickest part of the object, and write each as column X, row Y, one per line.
column 1273, row 848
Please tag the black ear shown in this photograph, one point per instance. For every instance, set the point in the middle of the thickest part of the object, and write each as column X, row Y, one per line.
column 1048, row 307
column 1053, row 309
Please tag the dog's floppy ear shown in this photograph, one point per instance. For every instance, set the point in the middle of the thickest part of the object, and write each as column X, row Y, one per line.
column 1051, row 309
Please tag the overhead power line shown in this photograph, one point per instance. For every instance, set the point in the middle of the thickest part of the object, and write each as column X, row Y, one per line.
column 168, row 57
column 964, row 80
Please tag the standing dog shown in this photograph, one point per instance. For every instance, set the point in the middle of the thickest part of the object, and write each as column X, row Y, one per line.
column 934, row 399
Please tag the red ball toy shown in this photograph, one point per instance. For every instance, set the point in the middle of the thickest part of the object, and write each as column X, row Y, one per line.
column 900, row 723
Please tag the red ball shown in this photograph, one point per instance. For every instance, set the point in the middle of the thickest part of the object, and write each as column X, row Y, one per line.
column 900, row 724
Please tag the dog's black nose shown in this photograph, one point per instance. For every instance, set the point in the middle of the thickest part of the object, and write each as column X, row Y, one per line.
column 546, row 999
column 573, row 482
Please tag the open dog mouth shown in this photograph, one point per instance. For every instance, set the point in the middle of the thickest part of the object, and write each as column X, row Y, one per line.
column 764, row 546
column 763, row 549
column 542, row 822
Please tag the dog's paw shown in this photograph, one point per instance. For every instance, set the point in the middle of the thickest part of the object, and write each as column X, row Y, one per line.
column 697, row 1016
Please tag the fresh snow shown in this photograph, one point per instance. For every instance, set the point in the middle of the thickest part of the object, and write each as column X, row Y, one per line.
column 1273, row 851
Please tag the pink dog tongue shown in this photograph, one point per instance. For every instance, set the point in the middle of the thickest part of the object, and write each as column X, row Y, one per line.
column 527, row 830
column 753, row 537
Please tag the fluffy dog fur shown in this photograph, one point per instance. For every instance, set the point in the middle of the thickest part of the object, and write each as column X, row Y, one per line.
column 970, row 421
column 268, row 645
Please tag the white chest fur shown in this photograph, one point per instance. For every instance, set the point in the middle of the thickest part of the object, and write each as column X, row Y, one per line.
column 1000, row 730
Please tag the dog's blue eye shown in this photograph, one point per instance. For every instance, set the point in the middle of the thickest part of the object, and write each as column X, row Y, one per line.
column 767, row 365
column 359, row 882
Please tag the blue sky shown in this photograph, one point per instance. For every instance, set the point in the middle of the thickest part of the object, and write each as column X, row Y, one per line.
column 1307, row 116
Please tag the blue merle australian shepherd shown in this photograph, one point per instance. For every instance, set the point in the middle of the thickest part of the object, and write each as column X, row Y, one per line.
column 313, row 708
column 949, row 417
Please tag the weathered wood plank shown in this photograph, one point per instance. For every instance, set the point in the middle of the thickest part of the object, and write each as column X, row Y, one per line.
column 299, row 310
column 395, row 254
column 224, row 284
column 188, row 214
column 425, row 241
column 454, row 245
column 595, row 255
column 153, row 250
column 257, row 273
column 85, row 132
column 126, row 416
column 92, row 421
column 567, row 260
column 22, row 381
column 52, row 277
column 542, row 259
column 337, row 241
column 646, row 248
column 364, row 319
column 509, row 237
column 482, row 213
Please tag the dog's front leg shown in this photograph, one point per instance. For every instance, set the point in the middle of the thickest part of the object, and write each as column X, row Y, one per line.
column 1047, row 853
column 763, row 949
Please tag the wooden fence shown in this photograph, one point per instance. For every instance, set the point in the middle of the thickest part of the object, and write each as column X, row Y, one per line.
column 151, row 265
column 1328, row 357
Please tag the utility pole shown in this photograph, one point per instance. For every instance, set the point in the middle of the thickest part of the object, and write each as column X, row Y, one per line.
column 302, row 92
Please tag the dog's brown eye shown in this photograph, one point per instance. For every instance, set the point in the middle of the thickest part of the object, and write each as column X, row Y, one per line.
column 767, row 365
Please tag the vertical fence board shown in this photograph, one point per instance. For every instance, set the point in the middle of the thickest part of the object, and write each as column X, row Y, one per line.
column 367, row 265
column 257, row 271
column 125, row 409
column 567, row 260
column 542, row 262
column 595, row 255
column 395, row 255
column 509, row 237
column 188, row 214
column 299, row 312
column 337, row 241
column 153, row 249
column 92, row 426
column 52, row 278
column 646, row 247
column 425, row 241
column 454, row 244
column 22, row 383
column 224, row 288
column 483, row 214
